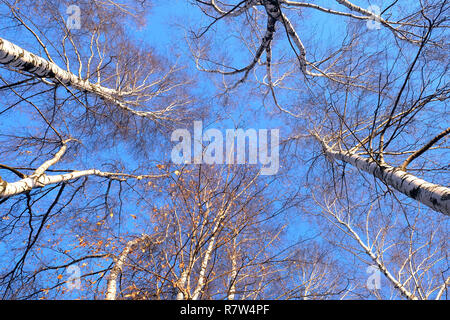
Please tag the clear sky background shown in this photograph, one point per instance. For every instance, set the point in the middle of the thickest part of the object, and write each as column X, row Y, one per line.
column 167, row 31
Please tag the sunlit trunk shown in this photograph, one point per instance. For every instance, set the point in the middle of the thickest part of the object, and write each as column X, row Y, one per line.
column 233, row 274
column 17, row 58
column 182, row 283
column 111, row 286
column 432, row 195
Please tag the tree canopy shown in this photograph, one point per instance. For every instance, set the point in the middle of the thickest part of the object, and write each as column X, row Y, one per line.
column 346, row 102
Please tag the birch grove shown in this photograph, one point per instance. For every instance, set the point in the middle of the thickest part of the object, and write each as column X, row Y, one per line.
column 418, row 37
column 367, row 104
column 92, row 206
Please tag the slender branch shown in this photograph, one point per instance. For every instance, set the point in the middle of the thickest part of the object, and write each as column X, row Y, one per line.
column 426, row 147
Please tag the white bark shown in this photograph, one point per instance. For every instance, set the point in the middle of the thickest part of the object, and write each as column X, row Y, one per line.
column 435, row 196
column 182, row 284
column 202, row 276
column 111, row 286
column 375, row 17
column 40, row 179
column 34, row 181
column 442, row 289
column 273, row 10
column 17, row 58
column 233, row 275
column 381, row 266
column 236, row 12
column 37, row 179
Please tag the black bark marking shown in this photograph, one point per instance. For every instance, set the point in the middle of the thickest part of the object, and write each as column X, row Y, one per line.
column 11, row 59
column 414, row 193
column 434, row 201
column 28, row 66
column 445, row 197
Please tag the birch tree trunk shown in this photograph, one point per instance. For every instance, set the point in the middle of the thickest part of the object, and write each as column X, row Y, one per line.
column 111, row 287
column 20, row 59
column 202, row 276
column 40, row 179
column 17, row 58
column 233, row 274
column 435, row 196
column 182, row 283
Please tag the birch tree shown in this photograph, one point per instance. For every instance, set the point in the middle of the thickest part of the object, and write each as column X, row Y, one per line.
column 406, row 256
column 91, row 206
column 221, row 241
column 71, row 97
column 104, row 77
column 364, row 94
column 374, row 94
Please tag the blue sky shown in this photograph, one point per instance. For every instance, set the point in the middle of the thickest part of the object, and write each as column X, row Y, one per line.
column 166, row 29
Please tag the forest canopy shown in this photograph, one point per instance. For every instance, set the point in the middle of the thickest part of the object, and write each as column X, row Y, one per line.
column 206, row 149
